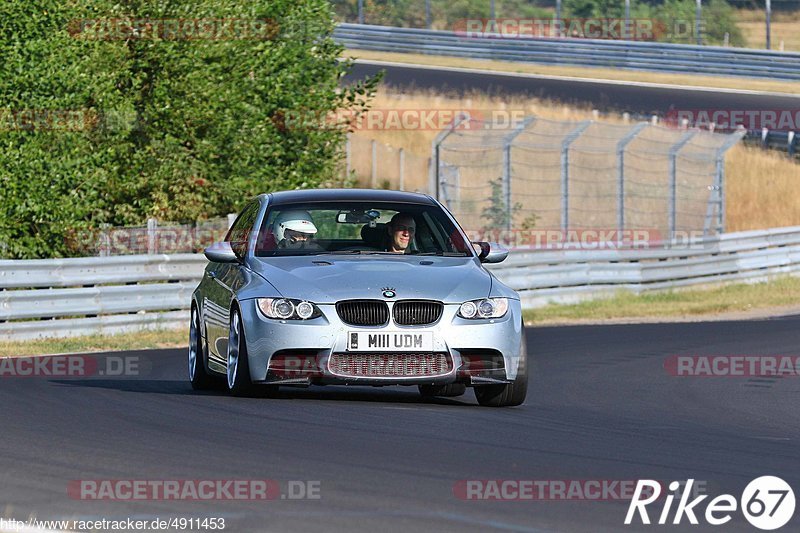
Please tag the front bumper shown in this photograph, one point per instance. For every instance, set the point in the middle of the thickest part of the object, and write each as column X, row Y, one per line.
column 479, row 351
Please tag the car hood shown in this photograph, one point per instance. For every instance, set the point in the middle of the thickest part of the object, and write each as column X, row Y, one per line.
column 328, row 279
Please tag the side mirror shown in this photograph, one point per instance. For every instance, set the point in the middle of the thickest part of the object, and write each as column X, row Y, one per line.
column 221, row 252
column 491, row 252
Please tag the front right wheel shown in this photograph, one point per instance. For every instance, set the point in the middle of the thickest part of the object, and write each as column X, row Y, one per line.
column 509, row 394
column 238, row 368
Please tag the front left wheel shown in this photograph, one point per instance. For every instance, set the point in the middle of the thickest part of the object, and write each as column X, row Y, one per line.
column 198, row 375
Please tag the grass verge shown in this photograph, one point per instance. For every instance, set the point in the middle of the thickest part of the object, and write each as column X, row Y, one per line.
column 163, row 338
column 689, row 80
column 739, row 300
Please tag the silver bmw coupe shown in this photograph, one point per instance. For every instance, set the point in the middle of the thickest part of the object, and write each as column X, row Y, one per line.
column 356, row 287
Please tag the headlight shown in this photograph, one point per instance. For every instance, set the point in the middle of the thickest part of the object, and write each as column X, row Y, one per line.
column 287, row 309
column 488, row 308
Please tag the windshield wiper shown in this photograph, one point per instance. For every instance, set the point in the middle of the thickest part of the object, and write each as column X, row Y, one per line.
column 337, row 252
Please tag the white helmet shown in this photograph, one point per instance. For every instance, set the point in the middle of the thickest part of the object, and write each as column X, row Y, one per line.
column 299, row 221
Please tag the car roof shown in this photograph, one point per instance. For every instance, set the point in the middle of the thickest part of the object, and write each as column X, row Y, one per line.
column 347, row 195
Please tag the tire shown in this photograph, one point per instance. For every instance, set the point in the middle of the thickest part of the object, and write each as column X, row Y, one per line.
column 238, row 368
column 510, row 394
column 198, row 374
column 449, row 390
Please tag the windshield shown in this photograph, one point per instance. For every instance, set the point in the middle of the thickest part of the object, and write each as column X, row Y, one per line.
column 359, row 228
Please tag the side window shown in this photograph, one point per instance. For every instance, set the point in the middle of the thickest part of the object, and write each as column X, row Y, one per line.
column 240, row 231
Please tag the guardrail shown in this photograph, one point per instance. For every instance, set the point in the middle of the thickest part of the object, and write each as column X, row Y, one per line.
column 570, row 276
column 68, row 297
column 87, row 295
column 634, row 55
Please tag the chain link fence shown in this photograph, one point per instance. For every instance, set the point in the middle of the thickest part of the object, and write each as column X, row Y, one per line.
column 585, row 175
column 375, row 165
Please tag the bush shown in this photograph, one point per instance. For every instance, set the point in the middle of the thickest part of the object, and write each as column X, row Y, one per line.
column 173, row 128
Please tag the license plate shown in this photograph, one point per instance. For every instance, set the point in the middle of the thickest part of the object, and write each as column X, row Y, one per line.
column 395, row 341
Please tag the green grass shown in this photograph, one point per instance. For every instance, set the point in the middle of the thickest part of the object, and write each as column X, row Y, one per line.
column 688, row 303
column 163, row 338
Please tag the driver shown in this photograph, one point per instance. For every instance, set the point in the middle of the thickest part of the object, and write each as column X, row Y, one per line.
column 401, row 228
column 295, row 230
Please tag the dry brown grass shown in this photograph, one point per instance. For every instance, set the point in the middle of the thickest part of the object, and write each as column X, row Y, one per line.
column 762, row 189
column 761, row 185
column 784, row 31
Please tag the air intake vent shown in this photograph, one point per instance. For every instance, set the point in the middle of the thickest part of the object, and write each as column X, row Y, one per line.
column 390, row 364
column 417, row 312
column 363, row 312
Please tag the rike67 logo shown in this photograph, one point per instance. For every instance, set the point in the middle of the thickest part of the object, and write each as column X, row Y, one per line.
column 767, row 503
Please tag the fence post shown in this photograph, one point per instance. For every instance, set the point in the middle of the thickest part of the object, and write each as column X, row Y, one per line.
column 374, row 165
column 621, row 145
column 428, row 14
column 152, row 227
column 402, row 158
column 433, row 175
column 732, row 139
column 347, row 157
column 507, row 142
column 568, row 140
column 673, row 180
column 790, row 138
column 105, row 240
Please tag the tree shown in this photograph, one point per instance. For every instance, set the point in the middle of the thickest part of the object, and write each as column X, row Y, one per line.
column 180, row 126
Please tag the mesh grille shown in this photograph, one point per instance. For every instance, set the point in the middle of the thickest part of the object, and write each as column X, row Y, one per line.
column 390, row 364
column 363, row 312
column 417, row 312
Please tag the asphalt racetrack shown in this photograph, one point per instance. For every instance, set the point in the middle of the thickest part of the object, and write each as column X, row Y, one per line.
column 620, row 97
column 601, row 407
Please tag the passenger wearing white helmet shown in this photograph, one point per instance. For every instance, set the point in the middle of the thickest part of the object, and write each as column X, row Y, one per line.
column 294, row 229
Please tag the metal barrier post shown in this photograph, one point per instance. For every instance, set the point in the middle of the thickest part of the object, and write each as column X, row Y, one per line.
column 673, row 181
column 621, row 145
column 568, row 140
